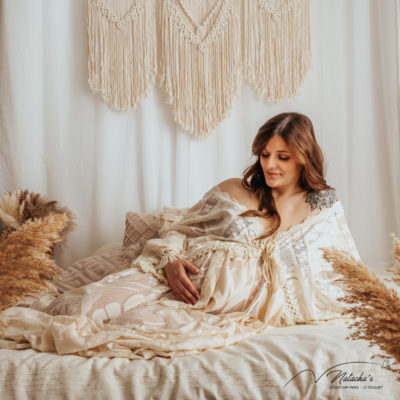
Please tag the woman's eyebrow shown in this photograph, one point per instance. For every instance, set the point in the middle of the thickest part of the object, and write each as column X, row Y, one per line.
column 278, row 151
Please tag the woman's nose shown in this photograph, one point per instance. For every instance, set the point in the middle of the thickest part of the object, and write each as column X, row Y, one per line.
column 271, row 162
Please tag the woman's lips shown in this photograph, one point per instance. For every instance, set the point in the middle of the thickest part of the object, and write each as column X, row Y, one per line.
column 273, row 174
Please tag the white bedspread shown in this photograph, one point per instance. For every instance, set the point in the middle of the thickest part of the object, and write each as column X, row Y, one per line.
column 258, row 368
column 261, row 367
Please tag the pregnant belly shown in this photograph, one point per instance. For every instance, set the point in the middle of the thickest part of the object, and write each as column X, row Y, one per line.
column 226, row 284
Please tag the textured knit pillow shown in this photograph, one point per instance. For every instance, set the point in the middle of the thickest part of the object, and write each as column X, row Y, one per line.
column 92, row 269
column 139, row 227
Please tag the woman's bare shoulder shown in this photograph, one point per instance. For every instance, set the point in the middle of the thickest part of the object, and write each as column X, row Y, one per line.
column 237, row 191
column 230, row 184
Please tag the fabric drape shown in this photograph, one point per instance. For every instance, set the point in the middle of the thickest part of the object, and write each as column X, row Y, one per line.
column 246, row 285
column 59, row 140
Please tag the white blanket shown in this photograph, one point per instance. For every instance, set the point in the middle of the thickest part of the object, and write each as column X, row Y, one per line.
column 258, row 368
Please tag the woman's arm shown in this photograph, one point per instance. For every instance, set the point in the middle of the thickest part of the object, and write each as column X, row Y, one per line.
column 175, row 270
column 163, row 257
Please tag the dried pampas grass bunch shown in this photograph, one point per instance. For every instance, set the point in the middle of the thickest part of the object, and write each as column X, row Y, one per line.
column 21, row 206
column 32, row 225
column 374, row 306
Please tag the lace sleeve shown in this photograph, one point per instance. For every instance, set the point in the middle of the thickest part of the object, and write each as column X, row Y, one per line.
column 157, row 253
column 311, row 288
column 348, row 240
column 328, row 199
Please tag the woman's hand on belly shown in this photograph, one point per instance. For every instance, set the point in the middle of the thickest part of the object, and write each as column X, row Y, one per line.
column 179, row 282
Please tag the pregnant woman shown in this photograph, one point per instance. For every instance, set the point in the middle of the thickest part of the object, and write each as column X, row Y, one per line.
column 246, row 257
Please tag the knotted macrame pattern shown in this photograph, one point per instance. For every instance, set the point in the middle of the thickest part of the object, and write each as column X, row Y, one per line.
column 122, row 50
column 200, row 61
column 276, row 46
column 205, row 49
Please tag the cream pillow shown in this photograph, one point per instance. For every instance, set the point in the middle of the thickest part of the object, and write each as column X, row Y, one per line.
column 139, row 227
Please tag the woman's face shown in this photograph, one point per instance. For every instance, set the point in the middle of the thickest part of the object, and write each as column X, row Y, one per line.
column 281, row 169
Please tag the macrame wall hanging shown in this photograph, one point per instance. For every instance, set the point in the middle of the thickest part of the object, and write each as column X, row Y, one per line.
column 276, row 46
column 200, row 60
column 205, row 48
column 122, row 50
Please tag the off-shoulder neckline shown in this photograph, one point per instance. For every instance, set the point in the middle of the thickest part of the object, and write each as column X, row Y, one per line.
column 279, row 234
column 229, row 197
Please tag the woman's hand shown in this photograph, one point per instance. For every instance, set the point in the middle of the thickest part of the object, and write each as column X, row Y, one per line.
column 179, row 282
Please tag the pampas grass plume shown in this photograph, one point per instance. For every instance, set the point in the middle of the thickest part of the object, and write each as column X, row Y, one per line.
column 374, row 306
column 21, row 206
column 26, row 263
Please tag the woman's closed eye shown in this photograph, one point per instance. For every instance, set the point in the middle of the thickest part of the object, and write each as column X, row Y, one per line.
column 281, row 157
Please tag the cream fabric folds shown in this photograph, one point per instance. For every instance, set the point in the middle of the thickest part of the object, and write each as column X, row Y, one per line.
column 276, row 46
column 200, row 60
column 214, row 227
column 240, row 272
column 246, row 285
column 131, row 314
column 214, row 223
column 109, row 297
column 311, row 290
column 122, row 50
column 164, row 326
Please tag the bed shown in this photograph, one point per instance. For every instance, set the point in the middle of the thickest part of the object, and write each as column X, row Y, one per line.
column 295, row 362
column 263, row 367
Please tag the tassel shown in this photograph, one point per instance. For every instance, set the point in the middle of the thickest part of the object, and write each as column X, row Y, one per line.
column 276, row 46
column 200, row 61
column 122, row 50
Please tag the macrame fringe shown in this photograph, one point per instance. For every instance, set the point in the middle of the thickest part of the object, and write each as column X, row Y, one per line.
column 122, row 50
column 276, row 46
column 201, row 70
column 201, row 60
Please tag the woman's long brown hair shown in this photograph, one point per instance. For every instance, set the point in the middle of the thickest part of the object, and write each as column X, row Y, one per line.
column 298, row 132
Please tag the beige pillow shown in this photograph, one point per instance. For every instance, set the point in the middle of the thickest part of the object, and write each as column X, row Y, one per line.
column 92, row 269
column 139, row 227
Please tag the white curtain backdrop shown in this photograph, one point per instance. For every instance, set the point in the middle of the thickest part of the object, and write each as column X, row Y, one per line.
column 60, row 140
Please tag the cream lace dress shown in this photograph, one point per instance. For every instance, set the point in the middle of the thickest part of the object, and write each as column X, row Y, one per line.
column 246, row 286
